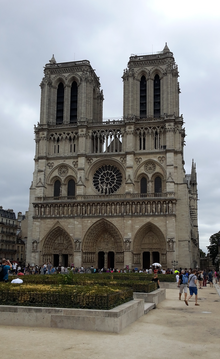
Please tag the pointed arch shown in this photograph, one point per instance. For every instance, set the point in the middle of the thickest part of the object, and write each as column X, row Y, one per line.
column 57, row 244
column 158, row 184
column 149, row 237
column 54, row 173
column 56, row 189
column 143, row 185
column 71, row 188
column 98, row 231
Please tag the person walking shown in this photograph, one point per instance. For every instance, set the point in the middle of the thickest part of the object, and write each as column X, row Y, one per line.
column 182, row 284
column 200, row 279
column 193, row 286
column 204, row 278
column 210, row 278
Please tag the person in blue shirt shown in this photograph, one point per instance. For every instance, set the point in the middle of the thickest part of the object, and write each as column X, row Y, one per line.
column 7, row 265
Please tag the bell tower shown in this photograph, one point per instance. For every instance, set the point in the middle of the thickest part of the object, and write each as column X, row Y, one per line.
column 151, row 88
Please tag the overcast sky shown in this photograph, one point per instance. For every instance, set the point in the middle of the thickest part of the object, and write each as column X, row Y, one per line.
column 106, row 33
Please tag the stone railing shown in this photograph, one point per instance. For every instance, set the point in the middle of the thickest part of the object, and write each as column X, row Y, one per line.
column 106, row 197
column 134, row 207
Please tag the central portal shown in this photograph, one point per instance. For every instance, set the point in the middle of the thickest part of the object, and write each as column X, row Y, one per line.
column 103, row 246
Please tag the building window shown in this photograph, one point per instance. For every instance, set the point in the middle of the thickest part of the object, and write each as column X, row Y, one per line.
column 57, row 186
column 71, row 188
column 60, row 104
column 143, row 185
column 143, row 97
column 156, row 96
column 157, row 185
column 107, row 179
column 73, row 102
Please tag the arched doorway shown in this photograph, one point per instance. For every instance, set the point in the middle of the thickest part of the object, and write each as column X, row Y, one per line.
column 103, row 237
column 101, row 260
column 57, row 248
column 149, row 247
column 111, row 260
column 156, row 257
column 146, row 260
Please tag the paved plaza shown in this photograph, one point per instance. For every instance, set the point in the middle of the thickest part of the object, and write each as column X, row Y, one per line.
column 172, row 330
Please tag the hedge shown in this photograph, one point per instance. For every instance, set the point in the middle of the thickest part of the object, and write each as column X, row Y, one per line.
column 64, row 296
column 95, row 278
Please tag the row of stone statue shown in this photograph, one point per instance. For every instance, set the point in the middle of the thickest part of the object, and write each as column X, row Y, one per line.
column 114, row 208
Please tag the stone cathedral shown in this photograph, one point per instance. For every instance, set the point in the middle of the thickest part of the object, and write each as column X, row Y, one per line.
column 112, row 193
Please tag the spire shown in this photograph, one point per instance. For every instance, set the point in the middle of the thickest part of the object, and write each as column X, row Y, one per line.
column 193, row 173
column 52, row 61
column 166, row 48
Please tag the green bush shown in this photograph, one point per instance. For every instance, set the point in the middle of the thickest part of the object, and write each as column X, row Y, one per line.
column 82, row 279
column 64, row 296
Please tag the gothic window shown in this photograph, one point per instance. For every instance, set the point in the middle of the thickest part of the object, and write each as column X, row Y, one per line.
column 157, row 185
column 143, row 185
column 57, row 186
column 107, row 179
column 60, row 104
column 156, row 140
column 142, row 140
column 143, row 97
column 73, row 103
column 156, row 96
column 71, row 188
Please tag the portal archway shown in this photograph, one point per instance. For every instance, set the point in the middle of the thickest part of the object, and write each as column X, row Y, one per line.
column 149, row 247
column 57, row 248
column 103, row 243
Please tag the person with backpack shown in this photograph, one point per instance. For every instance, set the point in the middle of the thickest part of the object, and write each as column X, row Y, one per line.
column 193, row 286
column 6, row 265
column 182, row 284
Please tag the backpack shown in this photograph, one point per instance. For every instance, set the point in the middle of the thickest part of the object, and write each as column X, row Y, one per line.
column 2, row 274
column 184, row 279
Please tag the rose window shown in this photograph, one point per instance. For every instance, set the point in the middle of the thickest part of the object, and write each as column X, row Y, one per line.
column 107, row 179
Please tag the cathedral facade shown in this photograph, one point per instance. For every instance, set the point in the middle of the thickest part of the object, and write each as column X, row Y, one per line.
column 112, row 193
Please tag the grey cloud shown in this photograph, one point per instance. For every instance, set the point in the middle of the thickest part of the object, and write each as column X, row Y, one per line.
column 106, row 33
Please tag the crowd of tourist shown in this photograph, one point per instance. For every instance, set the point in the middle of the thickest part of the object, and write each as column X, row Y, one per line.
column 203, row 276
column 191, row 278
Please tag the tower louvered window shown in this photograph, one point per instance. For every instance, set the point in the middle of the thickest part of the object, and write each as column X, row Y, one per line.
column 156, row 96
column 60, row 104
column 73, row 102
column 143, row 97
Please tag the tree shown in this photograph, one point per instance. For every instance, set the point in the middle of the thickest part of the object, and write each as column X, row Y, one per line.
column 202, row 254
column 213, row 247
